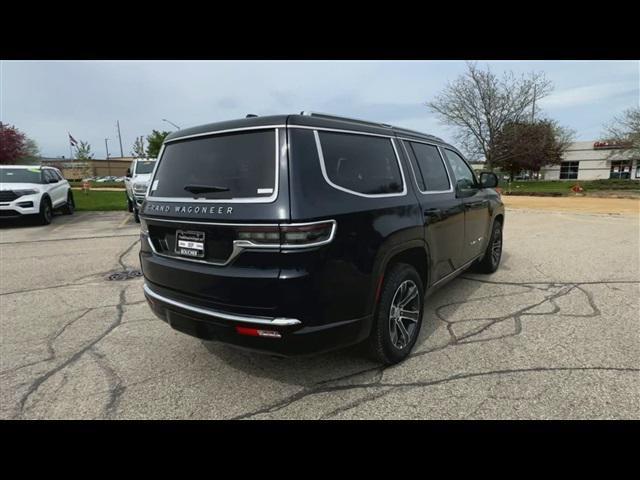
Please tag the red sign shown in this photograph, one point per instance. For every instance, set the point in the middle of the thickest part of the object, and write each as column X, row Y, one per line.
column 607, row 145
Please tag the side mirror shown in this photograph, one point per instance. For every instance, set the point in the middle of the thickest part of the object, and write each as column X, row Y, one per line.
column 53, row 180
column 488, row 180
column 128, row 174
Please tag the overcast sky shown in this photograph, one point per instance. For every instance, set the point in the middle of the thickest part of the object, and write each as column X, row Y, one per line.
column 47, row 99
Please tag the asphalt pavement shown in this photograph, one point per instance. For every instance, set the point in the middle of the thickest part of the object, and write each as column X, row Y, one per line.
column 554, row 334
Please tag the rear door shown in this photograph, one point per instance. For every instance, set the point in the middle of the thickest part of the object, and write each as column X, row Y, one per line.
column 442, row 212
column 208, row 193
column 476, row 205
column 56, row 187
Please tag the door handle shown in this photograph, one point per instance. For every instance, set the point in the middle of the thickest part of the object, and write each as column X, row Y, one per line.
column 433, row 212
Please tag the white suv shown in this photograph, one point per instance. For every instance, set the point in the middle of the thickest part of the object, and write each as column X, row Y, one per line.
column 33, row 190
column 136, row 182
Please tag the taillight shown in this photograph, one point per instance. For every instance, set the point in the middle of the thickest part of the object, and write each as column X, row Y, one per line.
column 260, row 235
column 304, row 235
column 288, row 236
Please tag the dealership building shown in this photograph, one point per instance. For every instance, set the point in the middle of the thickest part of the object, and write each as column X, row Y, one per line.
column 594, row 161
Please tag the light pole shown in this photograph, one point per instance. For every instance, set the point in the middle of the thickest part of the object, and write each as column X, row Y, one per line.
column 168, row 121
column 106, row 146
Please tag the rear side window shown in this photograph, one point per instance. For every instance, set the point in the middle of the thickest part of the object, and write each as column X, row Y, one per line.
column 430, row 166
column 361, row 164
column 240, row 165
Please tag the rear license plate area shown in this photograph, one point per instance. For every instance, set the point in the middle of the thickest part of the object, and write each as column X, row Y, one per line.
column 190, row 243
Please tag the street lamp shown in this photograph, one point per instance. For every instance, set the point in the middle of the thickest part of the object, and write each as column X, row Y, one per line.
column 106, row 145
column 168, row 121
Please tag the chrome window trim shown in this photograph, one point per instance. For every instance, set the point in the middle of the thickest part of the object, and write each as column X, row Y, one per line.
column 352, row 192
column 415, row 178
column 340, row 130
column 240, row 246
column 270, row 199
column 277, row 321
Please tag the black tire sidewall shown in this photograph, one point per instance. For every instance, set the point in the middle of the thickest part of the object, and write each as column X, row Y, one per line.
column 44, row 204
column 71, row 205
column 497, row 228
column 394, row 277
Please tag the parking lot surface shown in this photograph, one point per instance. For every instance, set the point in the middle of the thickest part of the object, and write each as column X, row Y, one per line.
column 555, row 333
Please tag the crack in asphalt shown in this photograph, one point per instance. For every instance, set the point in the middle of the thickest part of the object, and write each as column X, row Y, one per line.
column 425, row 383
column 35, row 385
column 564, row 289
column 374, row 375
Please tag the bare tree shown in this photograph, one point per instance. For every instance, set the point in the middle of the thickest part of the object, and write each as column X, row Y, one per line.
column 138, row 148
column 624, row 131
column 480, row 104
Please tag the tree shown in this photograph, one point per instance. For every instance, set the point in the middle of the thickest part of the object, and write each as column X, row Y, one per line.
column 83, row 151
column 529, row 146
column 479, row 104
column 624, row 130
column 155, row 143
column 13, row 144
column 138, row 148
column 31, row 153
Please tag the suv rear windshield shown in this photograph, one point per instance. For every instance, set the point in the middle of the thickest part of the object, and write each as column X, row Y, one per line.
column 20, row 175
column 145, row 167
column 237, row 165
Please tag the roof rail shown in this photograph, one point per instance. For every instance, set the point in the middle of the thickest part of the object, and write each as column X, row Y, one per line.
column 366, row 122
column 407, row 130
column 346, row 119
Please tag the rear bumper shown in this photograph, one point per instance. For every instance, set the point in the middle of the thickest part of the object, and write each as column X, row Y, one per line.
column 295, row 338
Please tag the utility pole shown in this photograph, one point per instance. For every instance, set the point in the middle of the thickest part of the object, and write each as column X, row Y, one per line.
column 120, row 138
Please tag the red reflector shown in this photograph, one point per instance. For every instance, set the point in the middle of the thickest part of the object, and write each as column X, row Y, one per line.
column 252, row 332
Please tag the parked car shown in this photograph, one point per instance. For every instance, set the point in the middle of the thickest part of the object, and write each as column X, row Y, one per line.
column 136, row 182
column 38, row 191
column 302, row 233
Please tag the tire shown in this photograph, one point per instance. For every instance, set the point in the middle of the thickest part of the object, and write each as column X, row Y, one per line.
column 136, row 217
column 492, row 255
column 46, row 212
column 388, row 344
column 70, row 206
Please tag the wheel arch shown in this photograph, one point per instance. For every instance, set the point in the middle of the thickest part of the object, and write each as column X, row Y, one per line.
column 415, row 253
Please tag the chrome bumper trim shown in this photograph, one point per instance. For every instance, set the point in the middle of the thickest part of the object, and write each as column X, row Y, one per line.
column 276, row 322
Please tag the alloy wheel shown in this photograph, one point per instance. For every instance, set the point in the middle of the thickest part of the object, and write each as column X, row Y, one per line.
column 404, row 314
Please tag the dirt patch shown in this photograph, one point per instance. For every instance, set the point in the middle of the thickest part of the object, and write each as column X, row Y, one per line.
column 619, row 206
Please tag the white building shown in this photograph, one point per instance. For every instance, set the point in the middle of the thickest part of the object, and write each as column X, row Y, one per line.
column 594, row 161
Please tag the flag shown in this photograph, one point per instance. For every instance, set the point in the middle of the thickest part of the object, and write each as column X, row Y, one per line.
column 72, row 140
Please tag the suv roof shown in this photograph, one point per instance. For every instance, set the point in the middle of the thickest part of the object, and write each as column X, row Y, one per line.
column 321, row 120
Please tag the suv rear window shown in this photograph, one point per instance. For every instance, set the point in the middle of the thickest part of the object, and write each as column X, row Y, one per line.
column 360, row 163
column 245, row 163
column 145, row 167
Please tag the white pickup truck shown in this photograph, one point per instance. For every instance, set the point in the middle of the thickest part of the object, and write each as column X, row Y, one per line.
column 136, row 182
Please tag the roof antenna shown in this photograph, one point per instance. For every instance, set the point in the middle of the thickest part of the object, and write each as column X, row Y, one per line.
column 251, row 115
